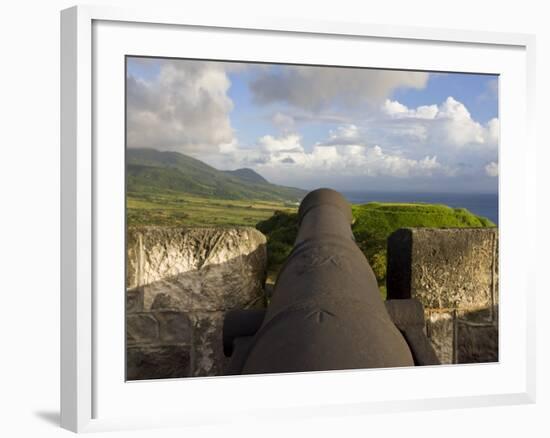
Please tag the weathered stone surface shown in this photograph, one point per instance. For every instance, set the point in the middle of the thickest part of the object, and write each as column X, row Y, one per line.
column 157, row 362
column 141, row 328
column 209, row 357
column 478, row 315
column 440, row 328
column 205, row 269
column 134, row 300
column 181, row 281
column 444, row 268
column 477, row 342
column 454, row 273
column 174, row 327
column 163, row 301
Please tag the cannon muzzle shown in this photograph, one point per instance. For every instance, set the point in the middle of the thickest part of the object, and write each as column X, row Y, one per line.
column 326, row 312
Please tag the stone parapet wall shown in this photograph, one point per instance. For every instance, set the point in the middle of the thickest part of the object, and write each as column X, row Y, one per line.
column 180, row 283
column 454, row 274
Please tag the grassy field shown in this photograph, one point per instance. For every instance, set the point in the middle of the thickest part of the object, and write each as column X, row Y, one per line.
column 373, row 223
column 171, row 209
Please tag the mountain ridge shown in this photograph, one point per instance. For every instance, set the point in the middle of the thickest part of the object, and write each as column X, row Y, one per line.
column 247, row 174
column 153, row 171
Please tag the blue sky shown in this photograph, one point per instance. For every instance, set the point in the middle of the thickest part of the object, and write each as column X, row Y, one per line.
column 477, row 92
column 316, row 126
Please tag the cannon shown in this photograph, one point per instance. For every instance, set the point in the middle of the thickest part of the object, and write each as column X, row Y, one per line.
column 326, row 311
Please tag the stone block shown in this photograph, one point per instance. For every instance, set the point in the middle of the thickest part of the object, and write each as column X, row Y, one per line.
column 157, row 362
column 141, row 328
column 174, row 327
column 478, row 315
column 477, row 342
column 134, row 300
column 444, row 268
column 163, row 301
column 208, row 341
column 440, row 329
column 197, row 269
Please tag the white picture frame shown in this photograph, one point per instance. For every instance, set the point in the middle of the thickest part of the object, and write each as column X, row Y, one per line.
column 93, row 398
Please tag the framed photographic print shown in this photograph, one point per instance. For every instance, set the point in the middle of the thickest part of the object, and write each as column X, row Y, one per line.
column 258, row 209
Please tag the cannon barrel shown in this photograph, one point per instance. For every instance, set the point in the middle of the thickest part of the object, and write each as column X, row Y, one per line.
column 326, row 312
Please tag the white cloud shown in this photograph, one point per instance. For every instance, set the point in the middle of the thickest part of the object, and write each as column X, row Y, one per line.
column 344, row 134
column 492, row 169
column 276, row 156
column 426, row 143
column 454, row 125
column 315, row 88
column 493, row 131
column 395, row 109
column 449, row 124
column 380, row 163
column 184, row 108
column 289, row 143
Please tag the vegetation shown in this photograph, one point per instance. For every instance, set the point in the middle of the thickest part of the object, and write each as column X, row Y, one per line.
column 153, row 172
column 281, row 230
column 173, row 209
column 373, row 223
column 169, row 188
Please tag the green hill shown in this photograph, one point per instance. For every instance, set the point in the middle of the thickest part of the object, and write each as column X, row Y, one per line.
column 373, row 223
column 377, row 220
column 149, row 171
column 248, row 175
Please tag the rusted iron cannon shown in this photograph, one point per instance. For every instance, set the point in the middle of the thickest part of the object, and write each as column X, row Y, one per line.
column 326, row 312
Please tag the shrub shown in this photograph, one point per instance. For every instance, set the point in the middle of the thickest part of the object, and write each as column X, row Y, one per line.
column 372, row 225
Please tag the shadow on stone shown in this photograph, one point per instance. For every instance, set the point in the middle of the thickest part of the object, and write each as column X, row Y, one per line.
column 174, row 325
column 477, row 337
column 453, row 272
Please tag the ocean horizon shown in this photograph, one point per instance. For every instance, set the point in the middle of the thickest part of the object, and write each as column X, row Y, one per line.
column 480, row 204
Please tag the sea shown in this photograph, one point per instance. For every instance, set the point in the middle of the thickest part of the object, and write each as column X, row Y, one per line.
column 481, row 204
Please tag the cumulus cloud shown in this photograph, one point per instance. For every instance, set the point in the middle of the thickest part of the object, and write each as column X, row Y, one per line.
column 315, row 88
column 493, row 131
column 397, row 110
column 183, row 108
column 440, row 140
column 455, row 125
column 353, row 129
column 285, row 144
column 346, row 134
column 447, row 124
column 492, row 169
column 275, row 156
